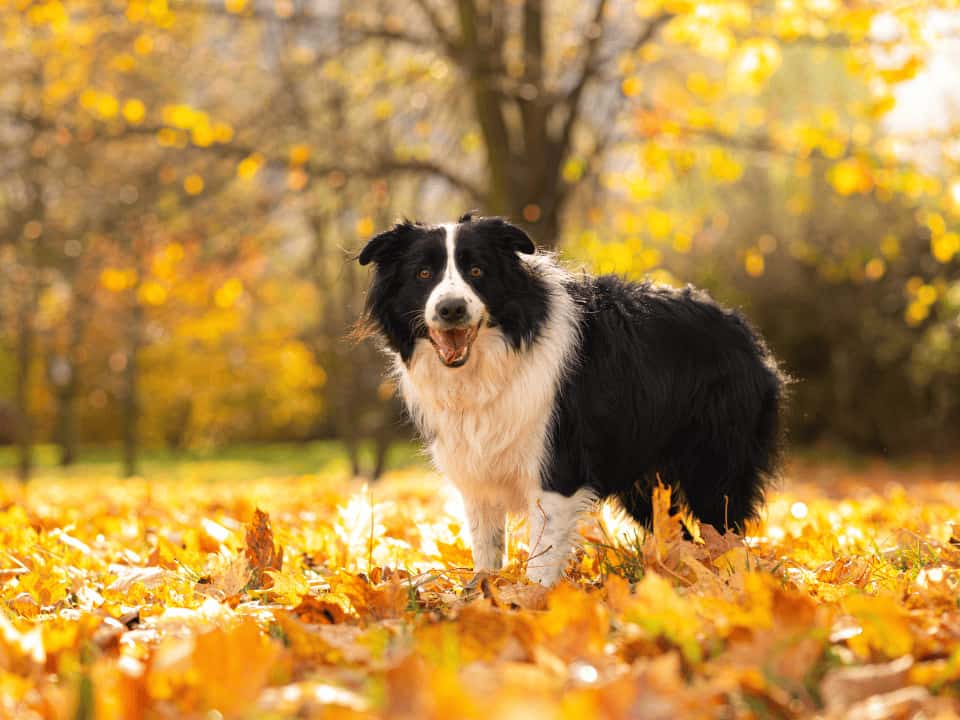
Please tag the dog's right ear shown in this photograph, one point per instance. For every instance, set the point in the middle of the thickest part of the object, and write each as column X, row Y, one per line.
column 385, row 245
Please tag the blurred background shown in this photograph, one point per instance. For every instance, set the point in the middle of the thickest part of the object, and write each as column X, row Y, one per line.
column 182, row 183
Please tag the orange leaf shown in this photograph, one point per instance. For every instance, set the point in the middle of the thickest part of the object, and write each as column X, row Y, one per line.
column 666, row 527
column 261, row 553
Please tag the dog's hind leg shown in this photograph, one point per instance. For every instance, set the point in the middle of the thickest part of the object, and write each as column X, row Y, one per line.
column 720, row 488
column 553, row 527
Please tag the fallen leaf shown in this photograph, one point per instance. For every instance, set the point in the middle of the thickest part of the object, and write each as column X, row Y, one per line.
column 845, row 686
column 262, row 554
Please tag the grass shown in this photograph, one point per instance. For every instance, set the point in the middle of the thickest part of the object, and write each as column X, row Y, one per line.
column 235, row 463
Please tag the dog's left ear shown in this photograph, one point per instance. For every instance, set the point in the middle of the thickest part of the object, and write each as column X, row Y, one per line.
column 384, row 245
column 519, row 241
column 515, row 238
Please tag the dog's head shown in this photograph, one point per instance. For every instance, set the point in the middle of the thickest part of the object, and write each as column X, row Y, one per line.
column 447, row 284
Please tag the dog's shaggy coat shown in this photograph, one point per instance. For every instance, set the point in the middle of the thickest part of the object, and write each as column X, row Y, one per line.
column 540, row 391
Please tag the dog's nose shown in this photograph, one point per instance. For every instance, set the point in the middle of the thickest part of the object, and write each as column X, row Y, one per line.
column 452, row 310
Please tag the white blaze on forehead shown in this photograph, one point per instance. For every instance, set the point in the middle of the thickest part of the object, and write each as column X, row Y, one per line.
column 452, row 284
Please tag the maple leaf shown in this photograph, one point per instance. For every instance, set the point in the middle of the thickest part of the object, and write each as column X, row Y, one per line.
column 321, row 610
column 666, row 526
column 262, row 554
column 386, row 600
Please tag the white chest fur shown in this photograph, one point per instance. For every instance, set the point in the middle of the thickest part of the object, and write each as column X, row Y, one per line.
column 487, row 422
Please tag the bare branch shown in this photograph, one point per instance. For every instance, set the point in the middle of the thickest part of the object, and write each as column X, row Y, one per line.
column 586, row 73
column 450, row 43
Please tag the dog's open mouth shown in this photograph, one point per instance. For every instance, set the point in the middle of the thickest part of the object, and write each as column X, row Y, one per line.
column 453, row 346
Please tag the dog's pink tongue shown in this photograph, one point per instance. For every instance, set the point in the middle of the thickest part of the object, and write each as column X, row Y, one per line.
column 450, row 343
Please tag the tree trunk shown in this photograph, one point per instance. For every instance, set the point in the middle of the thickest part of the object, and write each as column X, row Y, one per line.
column 66, row 425
column 25, row 342
column 62, row 371
column 380, row 461
column 353, row 453
column 131, row 393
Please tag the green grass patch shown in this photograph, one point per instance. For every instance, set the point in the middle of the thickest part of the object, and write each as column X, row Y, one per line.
column 234, row 463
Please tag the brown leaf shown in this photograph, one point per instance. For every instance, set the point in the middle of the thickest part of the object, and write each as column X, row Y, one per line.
column 853, row 570
column 262, row 554
column 908, row 702
column 378, row 602
column 715, row 544
column 527, row 596
column 320, row 611
column 324, row 644
column 842, row 687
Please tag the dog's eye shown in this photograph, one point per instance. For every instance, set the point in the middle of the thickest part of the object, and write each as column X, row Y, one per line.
column 425, row 273
column 476, row 272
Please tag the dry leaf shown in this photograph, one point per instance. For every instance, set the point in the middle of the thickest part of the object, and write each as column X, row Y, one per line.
column 262, row 554
column 842, row 687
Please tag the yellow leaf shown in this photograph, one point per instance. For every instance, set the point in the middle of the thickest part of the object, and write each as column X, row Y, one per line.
column 631, row 86
column 883, row 623
column 193, row 184
column 364, row 227
column 753, row 263
column 134, row 111
column 666, row 527
column 299, row 154
column 250, row 166
column 850, row 176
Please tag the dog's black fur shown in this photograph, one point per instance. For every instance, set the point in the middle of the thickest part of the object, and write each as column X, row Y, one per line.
column 670, row 385
column 665, row 383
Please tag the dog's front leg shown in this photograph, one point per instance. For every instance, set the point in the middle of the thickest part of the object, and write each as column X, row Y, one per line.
column 487, row 533
column 553, row 526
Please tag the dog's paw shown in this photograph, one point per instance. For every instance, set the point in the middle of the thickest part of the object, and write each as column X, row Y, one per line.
column 546, row 575
column 474, row 583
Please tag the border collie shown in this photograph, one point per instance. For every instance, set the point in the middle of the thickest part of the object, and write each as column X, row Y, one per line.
column 540, row 391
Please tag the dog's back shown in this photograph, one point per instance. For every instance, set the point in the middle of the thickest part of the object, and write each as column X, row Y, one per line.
column 668, row 385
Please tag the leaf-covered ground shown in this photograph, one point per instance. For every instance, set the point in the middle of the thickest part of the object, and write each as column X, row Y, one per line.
column 319, row 597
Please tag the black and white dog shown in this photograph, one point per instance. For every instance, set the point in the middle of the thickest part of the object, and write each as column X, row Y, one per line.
column 540, row 391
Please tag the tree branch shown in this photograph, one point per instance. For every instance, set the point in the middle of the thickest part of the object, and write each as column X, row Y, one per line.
column 450, row 43
column 586, row 73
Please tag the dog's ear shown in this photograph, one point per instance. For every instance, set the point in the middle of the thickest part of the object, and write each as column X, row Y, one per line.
column 502, row 233
column 517, row 239
column 385, row 245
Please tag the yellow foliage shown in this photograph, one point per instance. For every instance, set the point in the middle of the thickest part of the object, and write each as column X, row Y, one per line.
column 659, row 223
column 851, row 176
column 364, row 227
column 134, row 111
column 723, row 166
column 117, row 279
column 945, row 247
column 300, row 154
column 631, row 86
column 150, row 594
column 884, row 626
column 756, row 60
column 152, row 293
column 753, row 263
column 228, row 293
column 193, row 184
column 875, row 269
column 250, row 166
column 573, row 170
